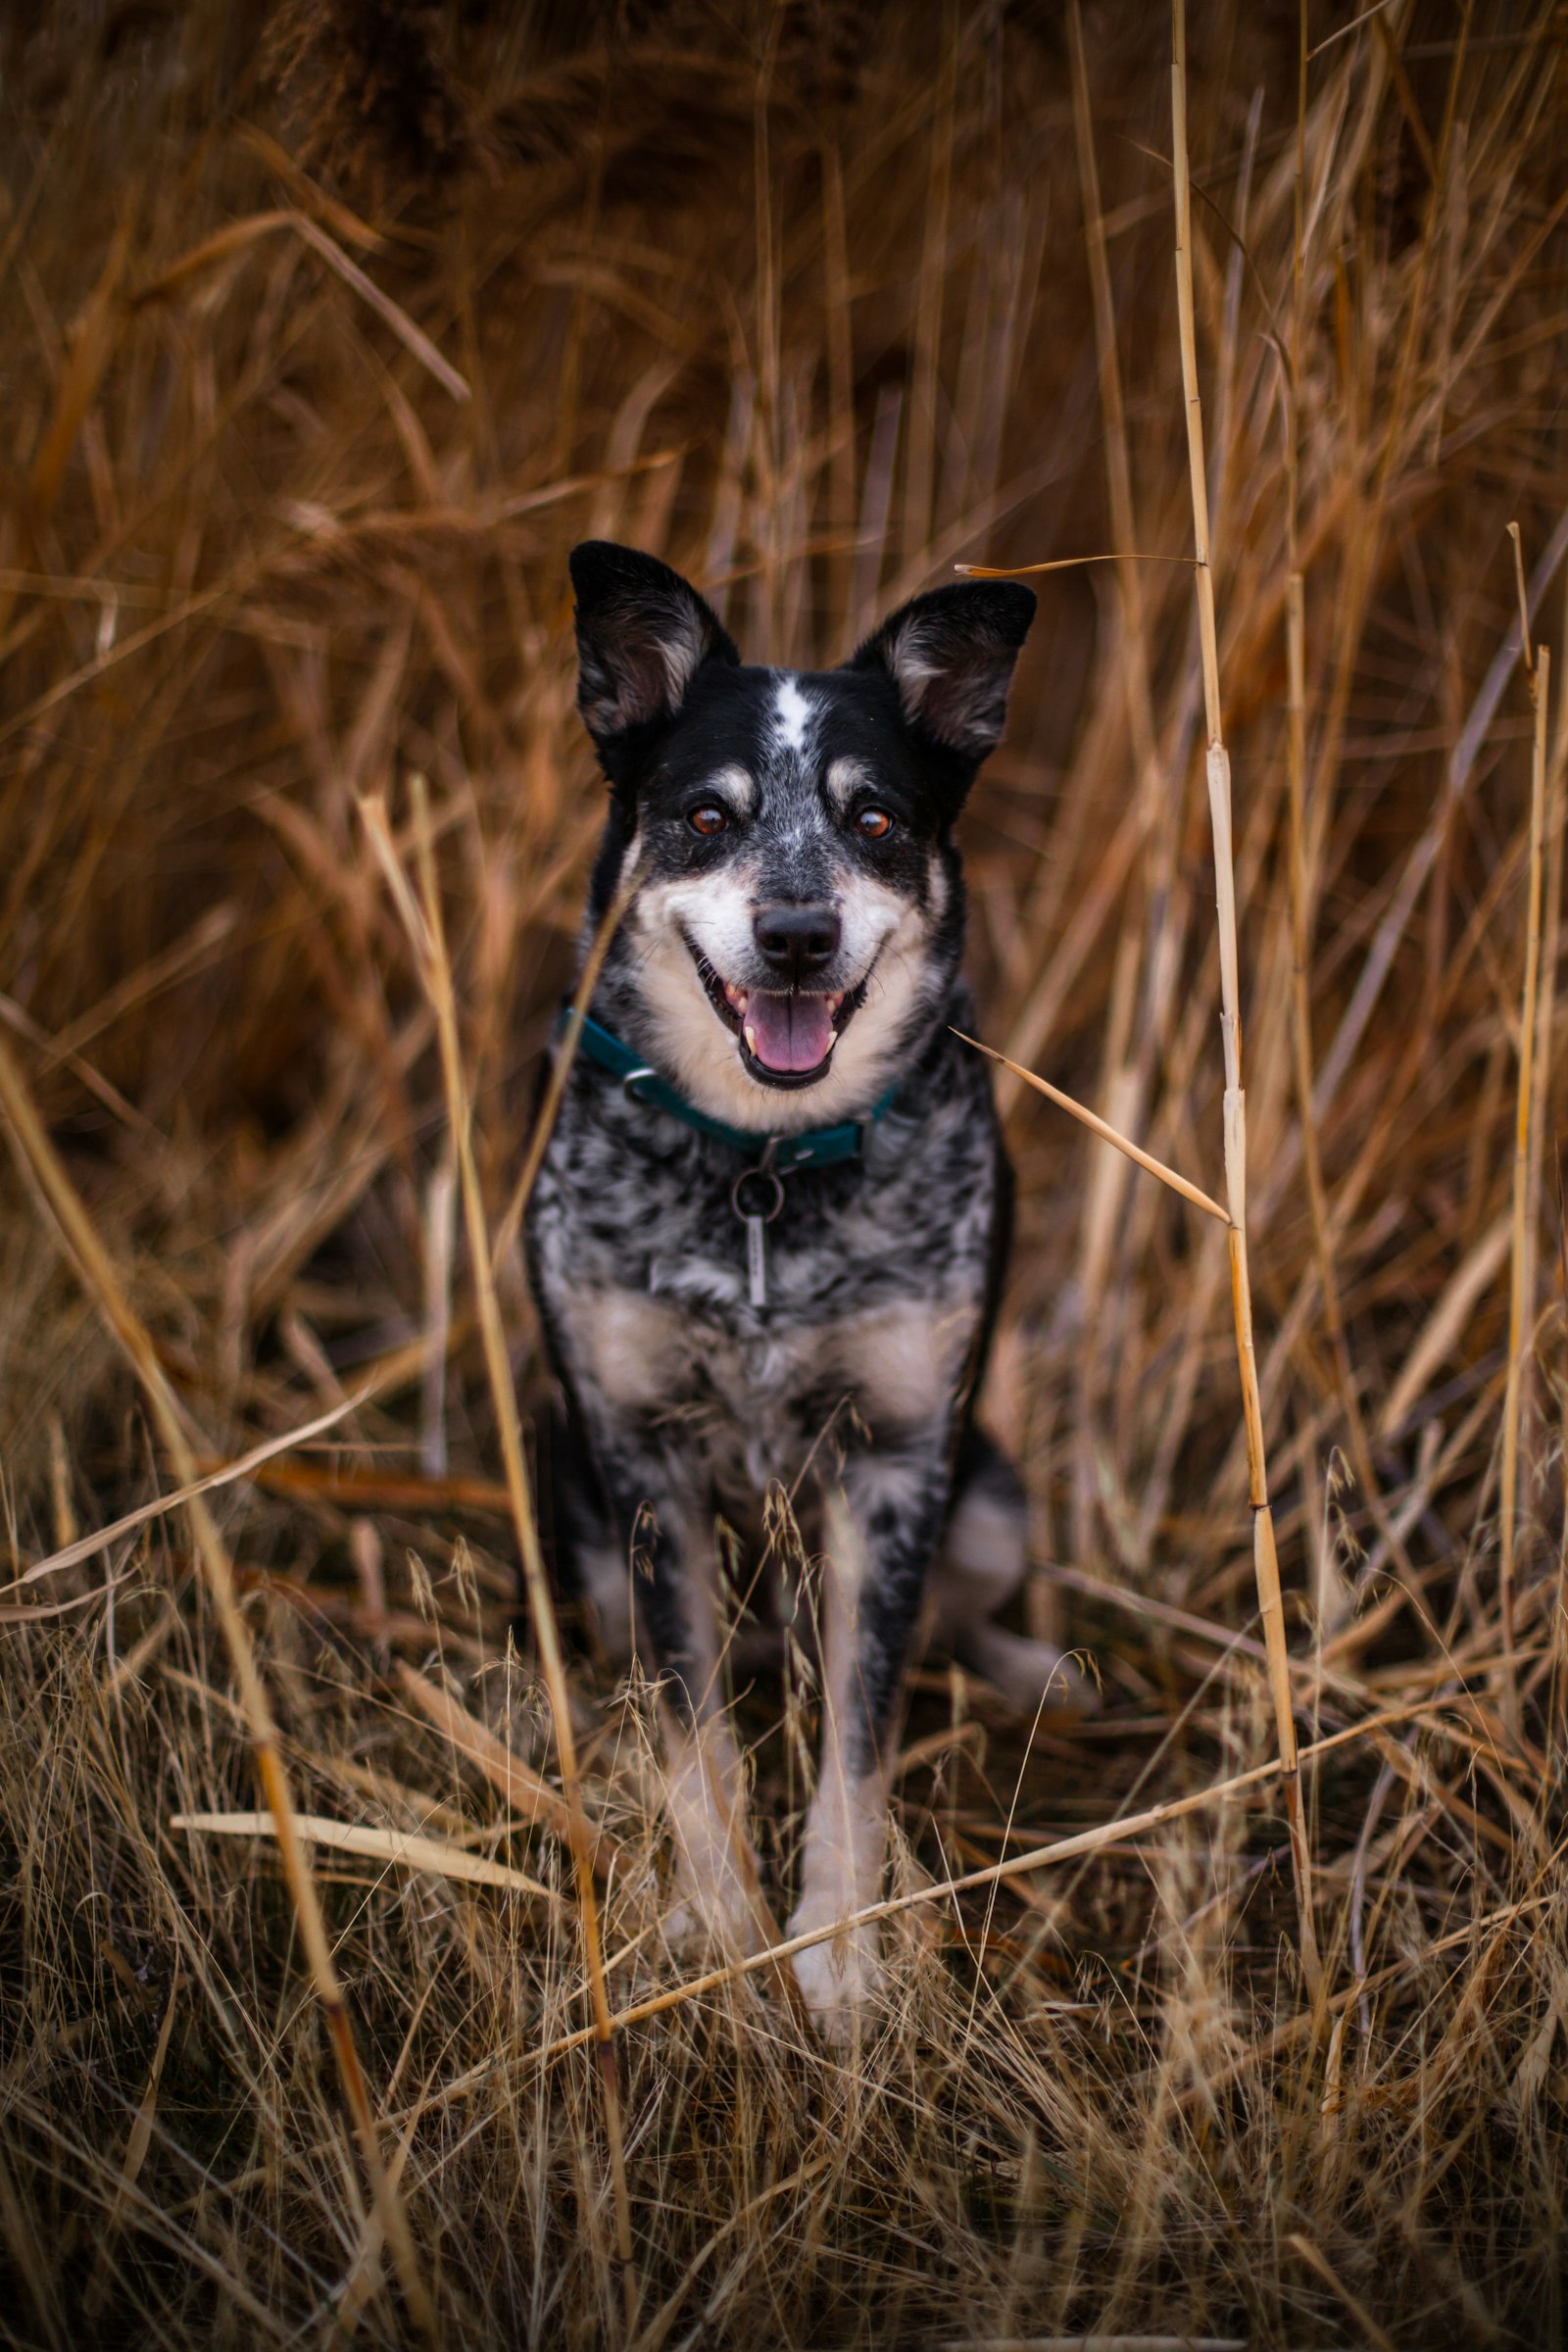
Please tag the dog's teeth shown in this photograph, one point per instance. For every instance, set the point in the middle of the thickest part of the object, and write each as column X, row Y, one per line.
column 834, row 1003
column 750, row 1034
column 736, row 996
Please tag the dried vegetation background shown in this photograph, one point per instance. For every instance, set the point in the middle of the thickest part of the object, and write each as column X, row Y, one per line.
column 324, row 332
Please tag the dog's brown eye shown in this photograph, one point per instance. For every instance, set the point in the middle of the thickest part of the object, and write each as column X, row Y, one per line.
column 874, row 824
column 707, row 821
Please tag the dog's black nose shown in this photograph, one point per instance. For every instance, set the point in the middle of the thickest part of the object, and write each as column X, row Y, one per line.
column 797, row 941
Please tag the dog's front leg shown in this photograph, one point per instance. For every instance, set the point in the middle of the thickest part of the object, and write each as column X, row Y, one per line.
column 674, row 1561
column 720, row 1899
column 880, row 1529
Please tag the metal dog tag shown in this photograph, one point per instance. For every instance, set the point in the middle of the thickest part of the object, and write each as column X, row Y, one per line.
column 757, row 1261
column 768, row 1199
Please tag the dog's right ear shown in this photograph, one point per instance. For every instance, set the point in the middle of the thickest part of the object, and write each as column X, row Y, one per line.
column 643, row 633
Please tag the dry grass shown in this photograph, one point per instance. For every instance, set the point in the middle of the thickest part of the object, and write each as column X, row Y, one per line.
column 326, row 331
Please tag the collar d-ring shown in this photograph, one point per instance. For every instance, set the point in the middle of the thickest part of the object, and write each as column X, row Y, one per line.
column 762, row 1174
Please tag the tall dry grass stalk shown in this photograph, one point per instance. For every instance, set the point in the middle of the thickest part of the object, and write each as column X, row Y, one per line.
column 1521, row 1302
column 320, row 349
column 1266, row 1556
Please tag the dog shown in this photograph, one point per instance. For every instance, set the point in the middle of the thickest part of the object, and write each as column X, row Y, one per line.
column 770, row 1225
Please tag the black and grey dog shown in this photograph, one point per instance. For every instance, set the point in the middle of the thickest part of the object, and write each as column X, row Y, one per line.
column 769, row 1230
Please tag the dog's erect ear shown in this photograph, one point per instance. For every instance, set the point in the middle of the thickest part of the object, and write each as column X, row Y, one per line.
column 950, row 656
column 643, row 633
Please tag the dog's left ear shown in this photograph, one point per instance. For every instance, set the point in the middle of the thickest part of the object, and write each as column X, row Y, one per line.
column 643, row 633
column 950, row 656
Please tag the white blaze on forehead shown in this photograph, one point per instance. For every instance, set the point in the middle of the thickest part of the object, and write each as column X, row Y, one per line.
column 793, row 713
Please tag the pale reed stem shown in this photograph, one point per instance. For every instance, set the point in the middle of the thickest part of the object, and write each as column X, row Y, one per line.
column 1265, row 1560
column 1521, row 1308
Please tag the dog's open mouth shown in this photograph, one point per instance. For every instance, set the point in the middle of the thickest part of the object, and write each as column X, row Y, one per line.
column 787, row 1036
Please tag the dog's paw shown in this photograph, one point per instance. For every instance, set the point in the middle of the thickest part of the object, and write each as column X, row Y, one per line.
column 712, row 1922
column 840, row 1980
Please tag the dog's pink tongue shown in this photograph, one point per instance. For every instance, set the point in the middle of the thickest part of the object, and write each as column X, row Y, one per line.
column 788, row 1032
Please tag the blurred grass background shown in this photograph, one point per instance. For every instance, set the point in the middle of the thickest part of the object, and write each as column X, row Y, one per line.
column 327, row 329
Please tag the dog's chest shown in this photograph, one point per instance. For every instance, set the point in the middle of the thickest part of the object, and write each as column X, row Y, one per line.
column 754, row 1405
column 875, row 1289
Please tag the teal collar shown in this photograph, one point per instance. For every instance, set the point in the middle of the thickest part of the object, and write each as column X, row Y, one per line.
column 817, row 1147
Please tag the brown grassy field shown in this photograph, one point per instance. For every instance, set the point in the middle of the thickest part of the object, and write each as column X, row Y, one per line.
column 325, row 331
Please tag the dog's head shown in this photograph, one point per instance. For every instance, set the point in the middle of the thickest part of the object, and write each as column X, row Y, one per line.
column 798, row 918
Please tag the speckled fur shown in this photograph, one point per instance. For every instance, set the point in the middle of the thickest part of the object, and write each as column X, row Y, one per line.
column 852, row 1389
